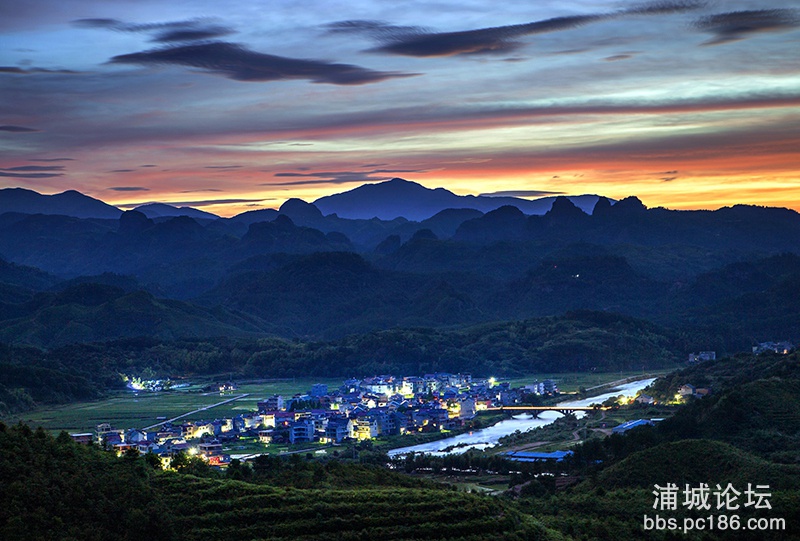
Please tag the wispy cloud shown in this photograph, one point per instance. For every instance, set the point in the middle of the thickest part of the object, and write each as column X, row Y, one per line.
column 418, row 42
column 496, row 40
column 191, row 30
column 738, row 25
column 616, row 57
column 200, row 203
column 25, row 168
column 521, row 193
column 52, row 160
column 241, row 64
column 340, row 177
column 122, row 170
column 129, row 189
column 33, row 71
column 33, row 171
column 17, row 129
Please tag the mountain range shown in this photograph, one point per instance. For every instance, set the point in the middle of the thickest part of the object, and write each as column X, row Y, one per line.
column 396, row 198
column 299, row 272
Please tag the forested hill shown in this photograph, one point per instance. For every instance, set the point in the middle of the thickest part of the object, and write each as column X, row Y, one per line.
column 54, row 489
column 579, row 341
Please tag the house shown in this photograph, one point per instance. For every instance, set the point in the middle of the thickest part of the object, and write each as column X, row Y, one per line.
column 301, row 431
column 702, row 356
column 273, row 403
column 338, row 429
column 265, row 436
column 645, row 399
column 686, row 390
column 364, row 429
column 210, row 448
column 783, row 348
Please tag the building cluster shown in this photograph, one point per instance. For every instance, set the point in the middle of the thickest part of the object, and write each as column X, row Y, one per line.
column 783, row 348
column 702, row 356
column 360, row 409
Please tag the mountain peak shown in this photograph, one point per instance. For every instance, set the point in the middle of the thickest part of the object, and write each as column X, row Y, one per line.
column 399, row 197
column 69, row 203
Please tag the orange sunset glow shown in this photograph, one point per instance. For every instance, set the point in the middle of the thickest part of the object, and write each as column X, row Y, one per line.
column 687, row 105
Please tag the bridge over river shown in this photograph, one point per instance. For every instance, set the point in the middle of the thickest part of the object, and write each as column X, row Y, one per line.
column 536, row 410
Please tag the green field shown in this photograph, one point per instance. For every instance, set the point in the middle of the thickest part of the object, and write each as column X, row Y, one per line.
column 139, row 410
column 571, row 382
column 129, row 410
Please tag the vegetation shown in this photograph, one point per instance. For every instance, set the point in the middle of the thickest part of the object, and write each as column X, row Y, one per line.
column 577, row 341
column 55, row 489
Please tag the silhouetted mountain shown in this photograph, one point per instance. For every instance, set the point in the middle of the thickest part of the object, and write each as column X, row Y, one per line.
column 162, row 210
column 402, row 198
column 336, row 293
column 69, row 203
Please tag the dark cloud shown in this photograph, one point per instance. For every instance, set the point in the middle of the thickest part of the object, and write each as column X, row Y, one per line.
column 241, row 64
column 202, row 190
column 148, row 165
column 201, row 203
column 52, row 160
column 375, row 29
column 31, row 71
column 415, row 41
column 521, row 193
column 28, row 168
column 192, row 34
column 33, row 171
column 17, row 129
column 496, row 40
column 223, row 166
column 664, row 7
column 191, row 30
column 122, row 170
column 4, row 173
column 340, row 177
column 737, row 25
column 129, row 189
column 668, row 179
column 616, row 57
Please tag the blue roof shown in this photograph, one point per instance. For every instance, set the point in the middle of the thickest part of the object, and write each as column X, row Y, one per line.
column 627, row 425
column 526, row 456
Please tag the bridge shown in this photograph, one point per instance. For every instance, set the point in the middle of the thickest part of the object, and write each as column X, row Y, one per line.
column 536, row 410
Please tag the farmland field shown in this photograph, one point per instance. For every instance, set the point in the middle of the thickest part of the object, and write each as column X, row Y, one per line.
column 143, row 409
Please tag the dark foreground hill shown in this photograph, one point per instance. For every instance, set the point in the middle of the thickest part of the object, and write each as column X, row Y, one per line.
column 57, row 490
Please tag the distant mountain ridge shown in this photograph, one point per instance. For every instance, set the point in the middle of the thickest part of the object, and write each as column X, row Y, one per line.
column 163, row 210
column 69, row 203
column 402, row 198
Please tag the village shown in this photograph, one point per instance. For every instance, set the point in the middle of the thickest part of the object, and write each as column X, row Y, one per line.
column 358, row 410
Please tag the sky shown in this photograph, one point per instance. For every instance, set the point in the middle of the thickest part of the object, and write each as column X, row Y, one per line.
column 236, row 106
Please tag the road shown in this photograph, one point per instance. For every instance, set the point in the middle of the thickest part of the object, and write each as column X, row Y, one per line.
column 204, row 408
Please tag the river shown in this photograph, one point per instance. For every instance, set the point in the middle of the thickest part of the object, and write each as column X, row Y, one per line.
column 489, row 437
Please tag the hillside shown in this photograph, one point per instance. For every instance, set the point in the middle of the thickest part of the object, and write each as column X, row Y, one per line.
column 92, row 312
column 124, row 498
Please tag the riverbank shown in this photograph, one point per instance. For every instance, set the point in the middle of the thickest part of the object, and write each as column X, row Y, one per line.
column 490, row 436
